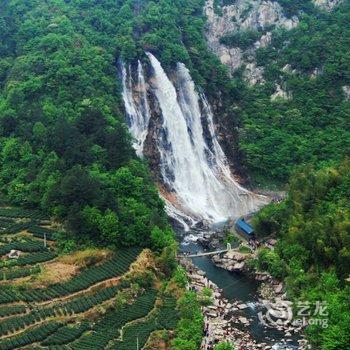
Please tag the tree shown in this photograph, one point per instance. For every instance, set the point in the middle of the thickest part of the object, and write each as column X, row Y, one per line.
column 312, row 253
column 161, row 238
column 188, row 333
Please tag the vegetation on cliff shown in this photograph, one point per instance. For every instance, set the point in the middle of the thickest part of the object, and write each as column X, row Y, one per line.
column 303, row 131
column 313, row 250
column 64, row 147
column 310, row 123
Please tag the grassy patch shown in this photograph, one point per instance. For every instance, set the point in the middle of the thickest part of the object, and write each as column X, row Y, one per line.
column 244, row 249
column 86, row 257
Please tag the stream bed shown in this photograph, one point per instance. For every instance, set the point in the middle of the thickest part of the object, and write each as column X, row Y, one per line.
column 240, row 287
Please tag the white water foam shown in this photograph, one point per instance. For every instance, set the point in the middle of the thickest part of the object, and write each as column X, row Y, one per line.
column 136, row 106
column 193, row 165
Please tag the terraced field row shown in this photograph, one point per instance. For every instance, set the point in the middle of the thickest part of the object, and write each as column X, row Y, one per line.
column 77, row 314
column 17, row 227
column 24, row 245
column 29, row 259
column 21, row 255
column 120, row 329
column 108, row 327
column 17, row 213
column 31, row 322
column 42, row 232
column 66, row 334
column 138, row 332
column 13, row 273
column 53, row 332
column 116, row 266
column 40, row 314
column 5, row 222
column 31, row 336
column 117, row 329
column 15, row 220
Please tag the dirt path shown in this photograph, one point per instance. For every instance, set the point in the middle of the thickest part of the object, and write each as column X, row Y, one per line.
column 106, row 283
column 59, row 318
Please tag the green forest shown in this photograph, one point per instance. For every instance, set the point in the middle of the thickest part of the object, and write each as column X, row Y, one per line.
column 313, row 251
column 313, row 125
column 65, row 149
column 305, row 140
column 64, row 145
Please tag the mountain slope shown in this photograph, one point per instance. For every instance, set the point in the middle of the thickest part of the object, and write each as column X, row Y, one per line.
column 293, row 79
column 64, row 146
column 313, row 252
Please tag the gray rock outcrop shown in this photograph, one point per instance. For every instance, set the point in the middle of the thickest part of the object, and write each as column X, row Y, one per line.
column 244, row 15
column 249, row 15
column 346, row 91
column 327, row 5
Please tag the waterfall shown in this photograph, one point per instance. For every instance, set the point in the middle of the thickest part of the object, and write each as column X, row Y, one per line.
column 138, row 113
column 193, row 165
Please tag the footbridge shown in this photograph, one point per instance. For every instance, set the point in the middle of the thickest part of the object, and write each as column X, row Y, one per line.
column 199, row 254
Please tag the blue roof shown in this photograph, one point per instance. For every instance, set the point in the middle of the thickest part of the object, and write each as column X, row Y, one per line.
column 246, row 228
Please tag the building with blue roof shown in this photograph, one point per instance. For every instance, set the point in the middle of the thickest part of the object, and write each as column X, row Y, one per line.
column 244, row 228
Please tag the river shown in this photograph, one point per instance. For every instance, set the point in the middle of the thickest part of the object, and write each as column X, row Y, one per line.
column 240, row 287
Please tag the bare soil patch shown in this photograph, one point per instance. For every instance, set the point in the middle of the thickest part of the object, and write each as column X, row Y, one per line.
column 56, row 272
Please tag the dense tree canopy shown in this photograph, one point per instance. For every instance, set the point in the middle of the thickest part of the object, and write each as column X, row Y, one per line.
column 64, row 146
column 313, row 253
column 311, row 63
column 306, row 134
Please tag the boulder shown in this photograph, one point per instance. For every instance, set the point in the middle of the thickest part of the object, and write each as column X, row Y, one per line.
column 279, row 288
column 214, row 244
column 238, row 266
column 243, row 320
column 237, row 256
column 261, row 277
column 216, row 259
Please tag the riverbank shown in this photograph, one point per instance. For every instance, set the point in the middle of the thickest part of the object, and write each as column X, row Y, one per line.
column 234, row 289
column 220, row 317
column 271, row 293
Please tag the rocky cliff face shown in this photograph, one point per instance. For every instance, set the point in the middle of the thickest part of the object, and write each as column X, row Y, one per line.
column 249, row 15
column 244, row 15
column 327, row 5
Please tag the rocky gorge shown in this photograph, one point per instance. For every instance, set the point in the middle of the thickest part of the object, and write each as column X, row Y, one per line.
column 225, row 319
column 224, row 315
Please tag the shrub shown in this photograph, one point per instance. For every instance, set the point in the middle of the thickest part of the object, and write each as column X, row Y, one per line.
column 225, row 345
column 271, row 262
column 189, row 330
column 241, row 39
column 206, row 296
column 180, row 277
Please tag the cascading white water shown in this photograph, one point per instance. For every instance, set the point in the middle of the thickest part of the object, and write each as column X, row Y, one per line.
column 138, row 113
column 198, row 174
